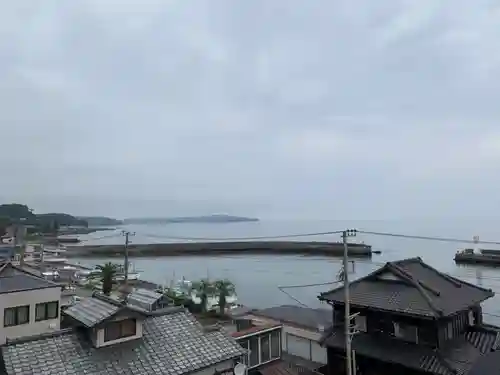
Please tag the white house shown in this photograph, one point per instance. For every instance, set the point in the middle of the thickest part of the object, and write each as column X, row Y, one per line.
column 29, row 305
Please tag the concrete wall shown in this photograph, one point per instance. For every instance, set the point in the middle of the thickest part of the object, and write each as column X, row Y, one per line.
column 31, row 298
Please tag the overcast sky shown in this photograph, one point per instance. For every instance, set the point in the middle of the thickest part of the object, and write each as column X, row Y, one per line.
column 283, row 108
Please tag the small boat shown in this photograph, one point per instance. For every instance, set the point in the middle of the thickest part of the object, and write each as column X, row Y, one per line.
column 184, row 289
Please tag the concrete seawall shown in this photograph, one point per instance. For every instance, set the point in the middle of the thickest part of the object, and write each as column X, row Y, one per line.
column 222, row 248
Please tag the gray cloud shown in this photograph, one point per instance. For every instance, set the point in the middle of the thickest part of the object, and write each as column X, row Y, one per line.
column 318, row 109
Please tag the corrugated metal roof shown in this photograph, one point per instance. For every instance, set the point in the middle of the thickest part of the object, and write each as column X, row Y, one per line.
column 143, row 298
column 302, row 316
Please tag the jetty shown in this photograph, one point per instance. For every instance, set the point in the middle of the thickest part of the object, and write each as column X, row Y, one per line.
column 223, row 248
column 489, row 257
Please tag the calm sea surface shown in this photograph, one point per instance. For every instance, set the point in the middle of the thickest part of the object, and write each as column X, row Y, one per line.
column 257, row 278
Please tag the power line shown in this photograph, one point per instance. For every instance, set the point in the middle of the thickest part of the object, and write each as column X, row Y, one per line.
column 292, row 297
column 307, row 285
column 429, row 238
column 101, row 238
column 242, row 238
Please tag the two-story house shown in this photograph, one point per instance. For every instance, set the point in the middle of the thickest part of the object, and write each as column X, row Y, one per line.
column 113, row 337
column 410, row 319
column 29, row 305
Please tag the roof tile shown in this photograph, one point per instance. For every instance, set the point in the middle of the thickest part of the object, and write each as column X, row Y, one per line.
column 172, row 344
column 410, row 286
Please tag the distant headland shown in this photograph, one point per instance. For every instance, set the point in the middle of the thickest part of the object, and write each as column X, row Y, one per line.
column 191, row 219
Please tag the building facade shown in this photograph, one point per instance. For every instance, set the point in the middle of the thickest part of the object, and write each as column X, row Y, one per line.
column 29, row 305
column 409, row 318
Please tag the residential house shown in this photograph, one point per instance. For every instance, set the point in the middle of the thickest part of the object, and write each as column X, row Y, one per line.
column 113, row 337
column 301, row 332
column 29, row 305
column 411, row 319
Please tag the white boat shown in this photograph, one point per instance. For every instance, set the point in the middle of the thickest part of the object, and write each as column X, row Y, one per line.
column 184, row 288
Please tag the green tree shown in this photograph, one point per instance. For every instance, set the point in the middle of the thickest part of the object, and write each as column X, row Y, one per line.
column 107, row 273
column 203, row 289
column 223, row 289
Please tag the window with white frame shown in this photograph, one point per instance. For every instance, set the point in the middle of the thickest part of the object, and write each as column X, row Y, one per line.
column 276, row 344
column 15, row 316
column 265, row 348
column 406, row 332
column 254, row 351
column 46, row 311
column 360, row 322
column 262, row 348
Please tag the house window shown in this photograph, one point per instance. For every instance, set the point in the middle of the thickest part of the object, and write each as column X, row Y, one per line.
column 450, row 330
column 15, row 316
column 265, row 348
column 244, row 345
column 254, row 351
column 471, row 318
column 276, row 344
column 120, row 329
column 406, row 332
column 360, row 321
column 46, row 311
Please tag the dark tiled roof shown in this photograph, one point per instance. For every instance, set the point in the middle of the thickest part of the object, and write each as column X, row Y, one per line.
column 457, row 357
column 172, row 344
column 413, row 287
column 301, row 316
column 15, row 279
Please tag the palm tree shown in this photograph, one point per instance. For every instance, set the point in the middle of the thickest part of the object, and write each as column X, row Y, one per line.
column 106, row 275
column 223, row 288
column 203, row 289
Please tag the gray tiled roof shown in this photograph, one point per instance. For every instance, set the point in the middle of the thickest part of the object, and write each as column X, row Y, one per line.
column 143, row 298
column 305, row 317
column 91, row 311
column 411, row 286
column 15, row 279
column 456, row 358
column 172, row 344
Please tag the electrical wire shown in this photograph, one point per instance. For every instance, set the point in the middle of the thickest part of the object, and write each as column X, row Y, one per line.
column 428, row 238
column 242, row 238
column 101, row 238
column 307, row 285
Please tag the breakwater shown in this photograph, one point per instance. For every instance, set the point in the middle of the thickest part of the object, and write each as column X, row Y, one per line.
column 222, row 248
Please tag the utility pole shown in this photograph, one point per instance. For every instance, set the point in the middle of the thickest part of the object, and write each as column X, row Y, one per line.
column 127, row 235
column 347, row 323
